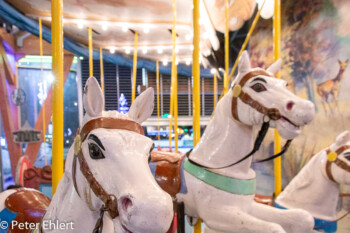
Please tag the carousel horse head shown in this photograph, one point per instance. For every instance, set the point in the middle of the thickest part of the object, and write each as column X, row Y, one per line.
column 110, row 167
column 258, row 96
column 338, row 159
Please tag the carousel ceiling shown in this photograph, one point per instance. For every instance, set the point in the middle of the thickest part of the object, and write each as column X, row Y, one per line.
column 112, row 22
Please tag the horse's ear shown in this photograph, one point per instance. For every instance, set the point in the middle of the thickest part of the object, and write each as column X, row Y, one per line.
column 342, row 138
column 244, row 63
column 275, row 67
column 93, row 98
column 142, row 107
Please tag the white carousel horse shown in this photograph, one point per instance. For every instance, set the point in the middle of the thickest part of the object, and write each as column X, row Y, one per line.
column 224, row 197
column 107, row 180
column 316, row 187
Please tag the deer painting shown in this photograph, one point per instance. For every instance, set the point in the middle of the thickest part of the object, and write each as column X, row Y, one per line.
column 329, row 90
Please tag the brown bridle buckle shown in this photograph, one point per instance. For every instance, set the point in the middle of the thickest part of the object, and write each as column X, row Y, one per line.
column 273, row 114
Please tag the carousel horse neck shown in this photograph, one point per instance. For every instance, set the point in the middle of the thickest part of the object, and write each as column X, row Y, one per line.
column 312, row 190
column 224, row 140
column 110, row 202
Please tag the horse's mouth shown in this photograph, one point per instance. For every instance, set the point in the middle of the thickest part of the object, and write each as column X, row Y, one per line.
column 122, row 226
column 125, row 229
column 285, row 119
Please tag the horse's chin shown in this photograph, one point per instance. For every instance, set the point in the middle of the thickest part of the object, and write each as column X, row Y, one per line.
column 286, row 129
column 119, row 227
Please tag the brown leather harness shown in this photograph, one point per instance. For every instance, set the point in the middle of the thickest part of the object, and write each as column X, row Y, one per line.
column 110, row 201
column 270, row 113
column 340, row 163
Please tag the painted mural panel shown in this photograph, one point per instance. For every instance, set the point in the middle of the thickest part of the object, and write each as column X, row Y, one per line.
column 315, row 52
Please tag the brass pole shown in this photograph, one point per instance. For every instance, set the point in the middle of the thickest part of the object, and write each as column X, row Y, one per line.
column 277, row 55
column 57, row 92
column 42, row 85
column 134, row 69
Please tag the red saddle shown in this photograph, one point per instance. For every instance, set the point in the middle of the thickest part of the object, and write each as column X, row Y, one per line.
column 29, row 205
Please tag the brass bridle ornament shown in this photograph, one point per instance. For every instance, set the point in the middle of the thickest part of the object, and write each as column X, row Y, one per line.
column 110, row 201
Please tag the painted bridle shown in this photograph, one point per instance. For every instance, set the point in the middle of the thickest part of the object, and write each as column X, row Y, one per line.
column 238, row 93
column 268, row 113
column 110, row 201
column 332, row 157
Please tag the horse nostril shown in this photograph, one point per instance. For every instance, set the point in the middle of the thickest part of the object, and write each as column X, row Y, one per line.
column 126, row 203
column 290, row 105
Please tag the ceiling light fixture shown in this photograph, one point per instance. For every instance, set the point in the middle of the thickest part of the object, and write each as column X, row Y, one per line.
column 188, row 36
column 144, row 50
column 104, row 27
column 80, row 25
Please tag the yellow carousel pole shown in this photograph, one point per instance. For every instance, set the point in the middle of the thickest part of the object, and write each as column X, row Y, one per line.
column 134, row 69
column 196, row 87
column 102, row 72
column 215, row 90
column 42, row 84
column 227, row 36
column 174, row 74
column 171, row 112
column 277, row 55
column 158, row 109
column 173, row 94
column 57, row 92
column 176, row 111
column 91, row 64
column 196, row 73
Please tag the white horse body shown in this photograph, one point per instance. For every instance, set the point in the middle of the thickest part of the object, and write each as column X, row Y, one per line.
column 313, row 190
column 227, row 140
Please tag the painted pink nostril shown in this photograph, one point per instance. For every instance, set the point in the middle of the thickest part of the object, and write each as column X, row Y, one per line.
column 290, row 105
column 126, row 204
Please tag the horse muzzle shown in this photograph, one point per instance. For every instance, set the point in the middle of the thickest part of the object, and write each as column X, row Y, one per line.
column 151, row 212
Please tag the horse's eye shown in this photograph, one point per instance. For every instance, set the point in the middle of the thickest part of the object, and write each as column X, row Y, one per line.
column 95, row 152
column 347, row 156
column 258, row 87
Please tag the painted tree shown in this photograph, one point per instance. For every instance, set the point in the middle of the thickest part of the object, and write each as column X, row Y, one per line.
column 308, row 40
